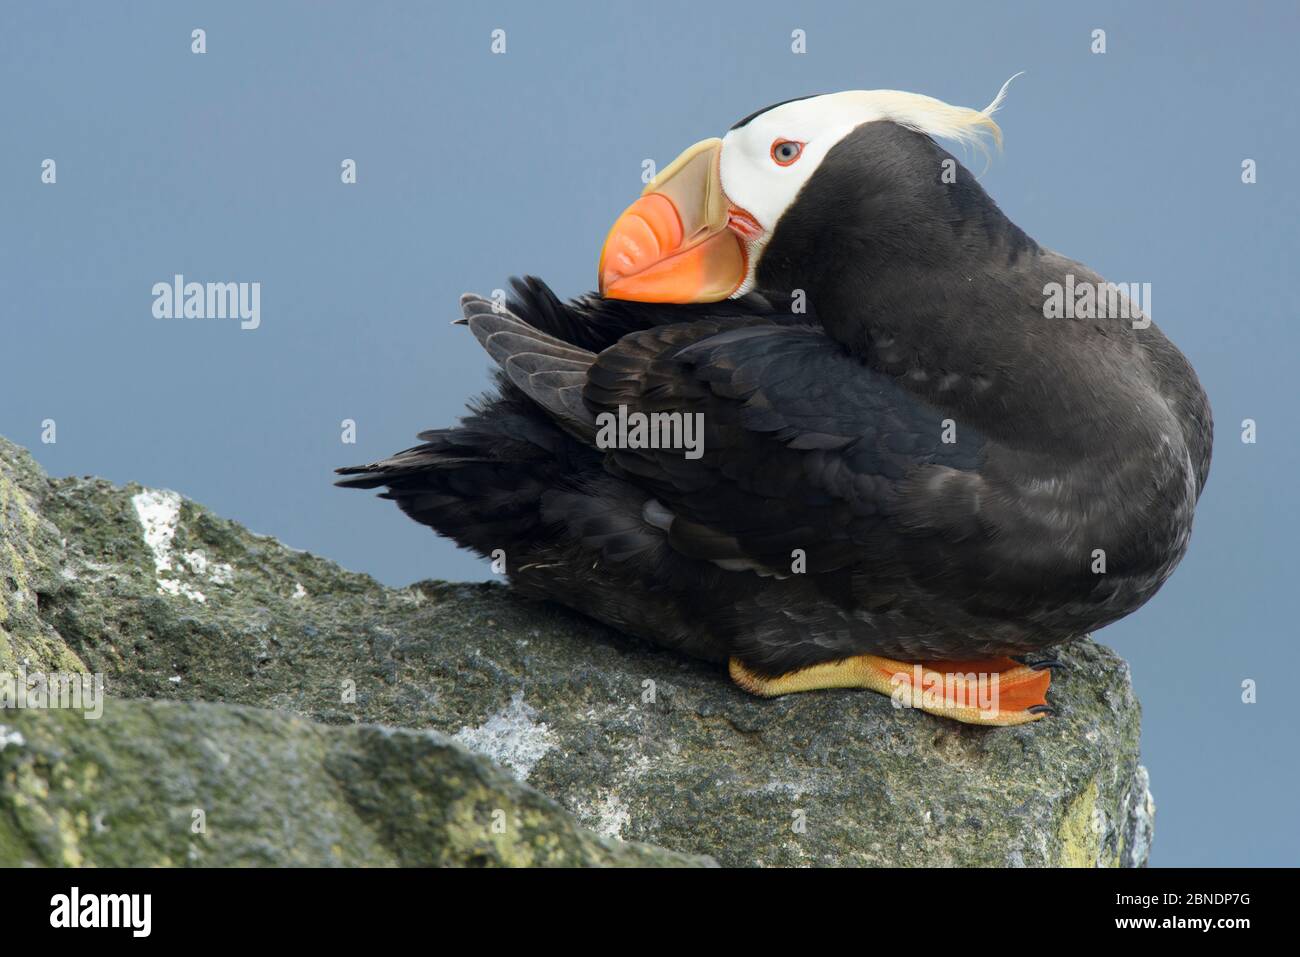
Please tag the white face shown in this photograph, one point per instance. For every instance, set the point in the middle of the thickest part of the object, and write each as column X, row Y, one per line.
column 757, row 172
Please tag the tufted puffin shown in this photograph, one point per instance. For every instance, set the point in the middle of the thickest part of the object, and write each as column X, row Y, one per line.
column 909, row 473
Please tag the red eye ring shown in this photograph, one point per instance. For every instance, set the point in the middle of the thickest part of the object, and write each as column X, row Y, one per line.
column 788, row 160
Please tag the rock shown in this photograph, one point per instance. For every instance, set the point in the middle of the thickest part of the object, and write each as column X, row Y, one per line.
column 162, row 783
column 168, row 601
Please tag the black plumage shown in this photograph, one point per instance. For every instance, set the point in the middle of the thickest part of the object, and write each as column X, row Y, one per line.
column 948, row 461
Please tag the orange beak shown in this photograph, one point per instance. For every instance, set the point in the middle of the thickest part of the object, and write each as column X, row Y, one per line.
column 676, row 243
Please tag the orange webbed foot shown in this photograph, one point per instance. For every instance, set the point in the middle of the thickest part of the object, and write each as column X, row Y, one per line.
column 997, row 691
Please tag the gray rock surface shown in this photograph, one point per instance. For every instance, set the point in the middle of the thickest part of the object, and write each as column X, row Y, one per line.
column 168, row 601
column 166, row 783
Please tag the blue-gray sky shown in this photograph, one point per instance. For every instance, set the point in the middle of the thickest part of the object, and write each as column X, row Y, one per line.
column 472, row 167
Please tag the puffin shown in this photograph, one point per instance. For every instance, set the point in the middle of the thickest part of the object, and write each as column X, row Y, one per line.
column 821, row 423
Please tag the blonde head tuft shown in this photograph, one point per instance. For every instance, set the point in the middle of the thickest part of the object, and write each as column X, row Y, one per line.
column 925, row 114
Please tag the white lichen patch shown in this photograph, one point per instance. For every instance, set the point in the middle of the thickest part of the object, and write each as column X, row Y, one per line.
column 1140, row 810
column 608, row 813
column 172, row 586
column 611, row 815
column 791, row 789
column 513, row 737
column 159, row 511
column 219, row 573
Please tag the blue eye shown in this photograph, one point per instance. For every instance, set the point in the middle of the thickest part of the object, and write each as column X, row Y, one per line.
column 785, row 152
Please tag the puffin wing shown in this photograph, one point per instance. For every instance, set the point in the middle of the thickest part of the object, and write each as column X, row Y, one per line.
column 548, row 370
column 804, row 447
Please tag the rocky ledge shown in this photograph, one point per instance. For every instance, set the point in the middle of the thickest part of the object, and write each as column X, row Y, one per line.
column 264, row 706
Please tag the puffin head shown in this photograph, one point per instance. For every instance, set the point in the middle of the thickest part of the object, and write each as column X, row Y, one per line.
column 746, row 210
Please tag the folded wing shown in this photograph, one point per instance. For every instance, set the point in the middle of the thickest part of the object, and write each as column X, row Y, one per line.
column 805, row 449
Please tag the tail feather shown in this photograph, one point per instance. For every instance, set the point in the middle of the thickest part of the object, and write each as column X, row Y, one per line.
column 486, row 482
column 481, row 483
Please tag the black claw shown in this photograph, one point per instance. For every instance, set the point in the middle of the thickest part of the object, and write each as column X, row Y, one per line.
column 1046, row 709
column 1046, row 663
